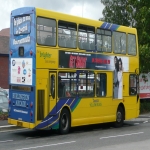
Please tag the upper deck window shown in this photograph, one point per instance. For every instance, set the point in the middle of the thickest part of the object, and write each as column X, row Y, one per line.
column 119, row 42
column 22, row 25
column 46, row 31
column 86, row 37
column 67, row 34
column 104, row 38
column 131, row 44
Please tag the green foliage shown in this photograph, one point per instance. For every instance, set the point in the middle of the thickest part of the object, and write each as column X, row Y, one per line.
column 3, row 116
column 144, row 107
column 142, row 20
column 117, row 12
column 144, row 52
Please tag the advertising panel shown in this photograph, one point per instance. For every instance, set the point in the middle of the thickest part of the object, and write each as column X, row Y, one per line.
column 99, row 62
column 144, row 85
column 21, row 71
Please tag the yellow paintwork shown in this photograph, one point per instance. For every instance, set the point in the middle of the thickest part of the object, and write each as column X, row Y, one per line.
column 89, row 110
column 51, row 59
column 24, row 124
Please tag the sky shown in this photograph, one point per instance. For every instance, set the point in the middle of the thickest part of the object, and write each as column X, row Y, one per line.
column 91, row 9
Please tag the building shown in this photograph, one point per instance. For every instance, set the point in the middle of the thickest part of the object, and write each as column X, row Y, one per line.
column 4, row 58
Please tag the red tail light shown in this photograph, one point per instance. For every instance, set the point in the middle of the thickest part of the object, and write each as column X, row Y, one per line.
column 9, row 101
column 11, row 53
column 31, row 104
column 31, row 52
column 31, row 113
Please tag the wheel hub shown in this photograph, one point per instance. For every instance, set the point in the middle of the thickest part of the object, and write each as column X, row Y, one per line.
column 119, row 116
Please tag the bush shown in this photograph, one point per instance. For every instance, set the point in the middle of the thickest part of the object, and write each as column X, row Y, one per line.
column 3, row 116
column 145, row 106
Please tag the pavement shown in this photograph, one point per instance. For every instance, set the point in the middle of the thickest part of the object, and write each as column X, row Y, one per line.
column 4, row 123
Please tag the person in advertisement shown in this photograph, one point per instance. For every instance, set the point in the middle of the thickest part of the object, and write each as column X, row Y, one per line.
column 120, row 79
column 116, row 83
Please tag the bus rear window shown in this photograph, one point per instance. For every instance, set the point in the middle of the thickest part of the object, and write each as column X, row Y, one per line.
column 22, row 25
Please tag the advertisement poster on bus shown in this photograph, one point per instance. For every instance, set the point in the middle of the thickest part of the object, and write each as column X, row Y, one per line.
column 99, row 62
column 90, row 61
column 144, row 85
column 21, row 71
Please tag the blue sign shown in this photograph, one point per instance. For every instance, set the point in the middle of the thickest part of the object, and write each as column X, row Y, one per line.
column 22, row 25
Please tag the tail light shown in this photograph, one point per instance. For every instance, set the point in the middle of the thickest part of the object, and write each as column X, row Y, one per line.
column 31, row 52
column 9, row 101
column 31, row 113
column 11, row 53
column 31, row 104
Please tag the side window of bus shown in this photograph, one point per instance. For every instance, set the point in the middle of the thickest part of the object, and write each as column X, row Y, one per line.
column 67, row 34
column 119, row 42
column 46, row 31
column 131, row 44
column 52, row 86
column 86, row 37
column 66, row 84
column 133, row 84
column 86, row 84
column 101, row 84
column 104, row 40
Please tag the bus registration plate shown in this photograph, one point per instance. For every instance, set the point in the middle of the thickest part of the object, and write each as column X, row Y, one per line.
column 19, row 124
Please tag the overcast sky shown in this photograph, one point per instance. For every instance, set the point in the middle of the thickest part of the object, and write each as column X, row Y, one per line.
column 84, row 8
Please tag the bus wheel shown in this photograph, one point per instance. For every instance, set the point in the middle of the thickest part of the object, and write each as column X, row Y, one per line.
column 64, row 121
column 119, row 117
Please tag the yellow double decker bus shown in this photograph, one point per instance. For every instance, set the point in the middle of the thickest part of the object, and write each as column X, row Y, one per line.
column 68, row 71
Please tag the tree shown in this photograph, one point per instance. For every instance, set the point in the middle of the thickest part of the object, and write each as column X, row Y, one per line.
column 133, row 13
column 142, row 13
column 118, row 12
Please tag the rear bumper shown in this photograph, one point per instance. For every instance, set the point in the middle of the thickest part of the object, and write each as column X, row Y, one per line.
column 21, row 123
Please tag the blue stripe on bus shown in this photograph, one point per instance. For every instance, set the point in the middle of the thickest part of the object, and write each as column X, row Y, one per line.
column 109, row 26
column 53, row 121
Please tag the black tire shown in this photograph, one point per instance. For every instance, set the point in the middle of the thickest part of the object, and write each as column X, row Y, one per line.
column 119, row 117
column 64, row 121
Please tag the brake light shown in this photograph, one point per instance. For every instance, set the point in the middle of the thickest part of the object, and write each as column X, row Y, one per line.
column 11, row 53
column 31, row 52
column 31, row 113
column 9, row 101
column 31, row 104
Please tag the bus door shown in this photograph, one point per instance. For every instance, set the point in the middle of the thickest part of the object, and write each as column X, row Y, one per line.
column 103, row 92
column 52, row 93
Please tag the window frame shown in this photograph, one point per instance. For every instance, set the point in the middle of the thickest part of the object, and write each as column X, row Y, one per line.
column 86, row 29
column 103, row 34
column 114, row 42
column 133, row 88
column 135, row 44
column 68, row 28
column 46, row 31
column 105, row 95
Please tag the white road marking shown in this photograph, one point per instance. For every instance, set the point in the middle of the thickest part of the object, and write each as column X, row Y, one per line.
column 47, row 145
column 6, row 126
column 145, row 121
column 12, row 130
column 6, row 141
column 136, row 123
column 121, row 135
column 33, row 137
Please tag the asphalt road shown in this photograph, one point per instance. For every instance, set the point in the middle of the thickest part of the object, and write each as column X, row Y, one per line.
column 133, row 135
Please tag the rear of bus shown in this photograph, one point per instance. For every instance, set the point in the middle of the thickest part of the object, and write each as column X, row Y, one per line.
column 22, row 68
